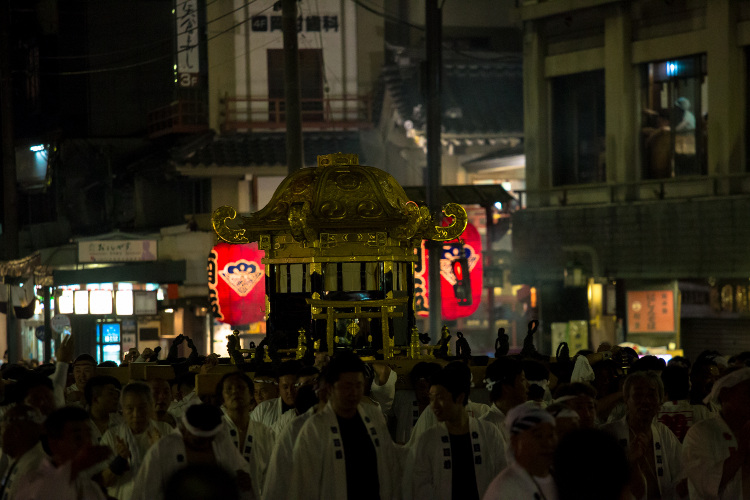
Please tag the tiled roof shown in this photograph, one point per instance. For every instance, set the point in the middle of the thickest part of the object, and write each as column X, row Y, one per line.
column 478, row 97
column 268, row 149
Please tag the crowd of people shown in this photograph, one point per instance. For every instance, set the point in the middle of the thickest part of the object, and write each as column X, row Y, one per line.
column 600, row 425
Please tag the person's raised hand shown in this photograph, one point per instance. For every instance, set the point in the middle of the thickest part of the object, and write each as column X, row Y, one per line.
column 65, row 349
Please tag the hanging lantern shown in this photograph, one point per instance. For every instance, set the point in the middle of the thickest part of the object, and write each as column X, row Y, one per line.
column 460, row 277
column 236, row 283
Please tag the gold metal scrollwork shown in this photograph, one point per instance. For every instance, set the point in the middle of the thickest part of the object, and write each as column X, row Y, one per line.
column 219, row 221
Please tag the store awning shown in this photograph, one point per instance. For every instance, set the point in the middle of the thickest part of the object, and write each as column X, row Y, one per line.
column 166, row 271
column 469, row 194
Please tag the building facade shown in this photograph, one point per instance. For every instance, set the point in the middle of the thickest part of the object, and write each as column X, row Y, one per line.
column 628, row 181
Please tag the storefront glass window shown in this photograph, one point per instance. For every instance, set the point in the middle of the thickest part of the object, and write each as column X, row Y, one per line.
column 674, row 118
column 108, row 342
column 578, row 129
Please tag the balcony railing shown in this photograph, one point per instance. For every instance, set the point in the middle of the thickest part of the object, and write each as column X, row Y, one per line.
column 179, row 117
column 329, row 113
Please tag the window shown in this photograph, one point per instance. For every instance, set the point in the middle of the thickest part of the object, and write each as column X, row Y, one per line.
column 674, row 118
column 310, row 72
column 578, row 129
column 108, row 342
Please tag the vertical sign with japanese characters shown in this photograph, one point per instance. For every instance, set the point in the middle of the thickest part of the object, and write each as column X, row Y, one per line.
column 188, row 51
column 651, row 311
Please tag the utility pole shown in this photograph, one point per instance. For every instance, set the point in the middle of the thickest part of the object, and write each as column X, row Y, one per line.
column 433, row 24
column 10, row 212
column 292, row 92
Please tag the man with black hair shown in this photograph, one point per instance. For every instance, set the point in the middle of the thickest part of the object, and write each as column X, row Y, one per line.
column 84, row 367
column 252, row 439
column 266, row 383
column 506, row 381
column 20, row 432
column 194, row 444
column 102, row 394
column 458, row 457
column 268, row 412
column 162, row 398
column 61, row 476
column 347, row 440
column 37, row 391
column 185, row 396
column 306, row 404
column 428, row 419
column 676, row 412
column 307, row 375
column 409, row 405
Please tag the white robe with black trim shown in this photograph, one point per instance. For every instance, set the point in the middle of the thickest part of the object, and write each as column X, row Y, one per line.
column 319, row 464
column 516, row 483
column 427, row 419
column 122, row 489
column 256, row 450
column 667, row 454
column 268, row 412
column 168, row 456
column 429, row 469
column 280, row 465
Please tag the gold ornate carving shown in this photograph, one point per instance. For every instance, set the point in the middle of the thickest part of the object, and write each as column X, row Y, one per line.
column 265, row 242
column 337, row 159
column 316, row 268
column 298, row 222
column 219, row 221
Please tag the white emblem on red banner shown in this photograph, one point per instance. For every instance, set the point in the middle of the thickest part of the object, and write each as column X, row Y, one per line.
column 242, row 276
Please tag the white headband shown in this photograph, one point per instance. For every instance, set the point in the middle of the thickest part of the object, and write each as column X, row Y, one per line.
column 489, row 384
column 727, row 381
column 525, row 416
column 199, row 432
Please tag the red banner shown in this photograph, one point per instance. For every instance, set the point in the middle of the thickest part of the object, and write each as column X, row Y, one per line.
column 460, row 296
column 236, row 283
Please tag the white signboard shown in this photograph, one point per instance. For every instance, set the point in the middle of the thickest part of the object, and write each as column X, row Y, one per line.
column 116, row 250
column 144, row 302
column 188, row 57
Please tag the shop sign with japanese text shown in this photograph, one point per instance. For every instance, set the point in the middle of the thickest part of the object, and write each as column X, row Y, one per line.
column 651, row 311
column 116, row 250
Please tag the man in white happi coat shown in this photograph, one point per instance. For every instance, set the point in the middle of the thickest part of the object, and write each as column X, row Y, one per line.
column 677, row 412
column 653, row 450
column 532, row 446
column 131, row 440
column 21, row 430
column 428, row 419
column 102, row 396
column 194, row 444
column 61, row 475
column 345, row 452
column 268, row 412
column 84, row 367
column 458, row 457
column 310, row 399
column 252, row 439
column 506, row 381
column 185, row 396
column 717, row 450
column 409, row 404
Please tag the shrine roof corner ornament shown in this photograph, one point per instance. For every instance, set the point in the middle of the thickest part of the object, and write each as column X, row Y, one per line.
column 338, row 197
